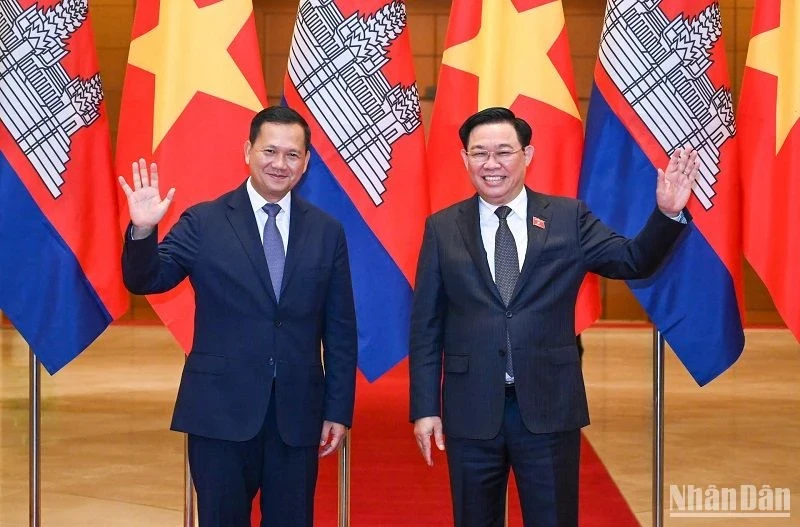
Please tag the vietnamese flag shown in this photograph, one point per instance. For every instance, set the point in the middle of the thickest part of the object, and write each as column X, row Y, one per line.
column 511, row 53
column 192, row 85
column 769, row 109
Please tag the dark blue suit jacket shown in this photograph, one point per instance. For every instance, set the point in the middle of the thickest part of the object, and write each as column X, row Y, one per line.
column 242, row 336
column 459, row 321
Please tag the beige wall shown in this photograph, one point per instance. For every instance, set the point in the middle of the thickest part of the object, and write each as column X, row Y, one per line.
column 428, row 24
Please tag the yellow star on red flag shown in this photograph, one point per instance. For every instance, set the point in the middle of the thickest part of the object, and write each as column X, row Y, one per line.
column 510, row 56
column 777, row 52
column 188, row 53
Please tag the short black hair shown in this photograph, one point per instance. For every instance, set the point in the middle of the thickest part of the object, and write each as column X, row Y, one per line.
column 280, row 115
column 496, row 114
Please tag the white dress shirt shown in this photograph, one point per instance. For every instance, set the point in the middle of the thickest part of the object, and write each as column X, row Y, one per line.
column 516, row 222
column 282, row 219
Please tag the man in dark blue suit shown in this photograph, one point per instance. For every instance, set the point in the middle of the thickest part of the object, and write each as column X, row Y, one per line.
column 258, row 397
column 494, row 364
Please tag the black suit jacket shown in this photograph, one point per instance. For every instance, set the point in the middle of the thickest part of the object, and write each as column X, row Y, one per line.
column 459, row 321
column 242, row 336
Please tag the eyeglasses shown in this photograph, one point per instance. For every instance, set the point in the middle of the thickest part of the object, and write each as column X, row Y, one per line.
column 481, row 157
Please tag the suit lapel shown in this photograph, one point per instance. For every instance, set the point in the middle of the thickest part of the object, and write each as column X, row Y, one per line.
column 537, row 234
column 298, row 236
column 470, row 226
column 240, row 215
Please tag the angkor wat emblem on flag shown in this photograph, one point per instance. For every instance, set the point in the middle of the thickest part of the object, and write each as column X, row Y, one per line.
column 335, row 65
column 41, row 106
column 660, row 66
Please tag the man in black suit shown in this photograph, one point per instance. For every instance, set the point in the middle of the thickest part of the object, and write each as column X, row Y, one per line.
column 271, row 277
column 494, row 304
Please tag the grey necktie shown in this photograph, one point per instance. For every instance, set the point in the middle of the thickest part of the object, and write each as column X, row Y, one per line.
column 273, row 248
column 506, row 269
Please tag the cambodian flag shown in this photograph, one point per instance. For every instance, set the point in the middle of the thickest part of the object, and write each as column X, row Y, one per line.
column 60, row 278
column 661, row 82
column 351, row 75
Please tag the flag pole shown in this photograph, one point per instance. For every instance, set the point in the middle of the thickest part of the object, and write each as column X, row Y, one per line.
column 34, row 450
column 658, row 428
column 344, row 482
column 505, row 520
column 188, row 487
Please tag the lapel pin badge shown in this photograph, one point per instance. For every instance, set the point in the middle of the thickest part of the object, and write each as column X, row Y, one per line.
column 538, row 222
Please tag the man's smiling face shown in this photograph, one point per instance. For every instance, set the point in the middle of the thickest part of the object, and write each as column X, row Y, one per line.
column 496, row 162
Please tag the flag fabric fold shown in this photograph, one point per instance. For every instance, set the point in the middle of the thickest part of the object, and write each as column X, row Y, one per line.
column 192, row 85
column 351, row 75
column 661, row 83
column 769, row 110
column 513, row 54
column 60, row 278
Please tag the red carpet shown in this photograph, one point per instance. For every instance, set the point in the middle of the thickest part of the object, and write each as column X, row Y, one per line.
column 392, row 486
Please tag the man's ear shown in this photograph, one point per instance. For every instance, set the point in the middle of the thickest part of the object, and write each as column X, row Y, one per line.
column 528, row 155
column 465, row 158
column 247, row 146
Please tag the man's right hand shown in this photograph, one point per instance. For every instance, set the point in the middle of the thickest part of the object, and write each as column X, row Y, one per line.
column 145, row 205
column 423, row 429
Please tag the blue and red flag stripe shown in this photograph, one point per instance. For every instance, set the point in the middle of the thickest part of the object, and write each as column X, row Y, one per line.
column 43, row 290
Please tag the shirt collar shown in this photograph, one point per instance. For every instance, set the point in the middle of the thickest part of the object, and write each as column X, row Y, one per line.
column 518, row 205
column 257, row 201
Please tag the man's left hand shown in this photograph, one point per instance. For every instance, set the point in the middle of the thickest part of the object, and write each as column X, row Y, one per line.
column 674, row 186
column 332, row 438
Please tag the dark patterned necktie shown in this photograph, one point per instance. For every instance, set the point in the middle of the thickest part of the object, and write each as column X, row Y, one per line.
column 506, row 269
column 273, row 248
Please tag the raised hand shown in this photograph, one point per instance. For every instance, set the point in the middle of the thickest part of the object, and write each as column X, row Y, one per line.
column 674, row 186
column 145, row 205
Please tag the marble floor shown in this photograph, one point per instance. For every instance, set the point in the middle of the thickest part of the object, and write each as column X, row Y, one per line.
column 741, row 429
column 109, row 460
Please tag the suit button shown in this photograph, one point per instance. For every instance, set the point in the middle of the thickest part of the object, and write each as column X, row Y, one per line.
column 501, row 352
column 271, row 361
column 509, row 314
column 278, row 323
